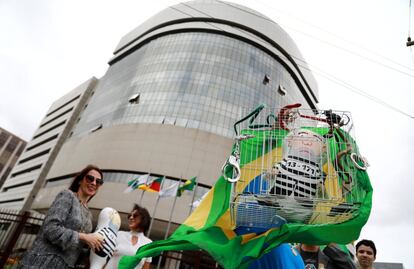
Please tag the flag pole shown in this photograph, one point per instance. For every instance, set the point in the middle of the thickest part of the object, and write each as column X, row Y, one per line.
column 142, row 197
column 192, row 200
column 169, row 223
column 171, row 213
column 143, row 191
column 169, row 220
column 155, row 210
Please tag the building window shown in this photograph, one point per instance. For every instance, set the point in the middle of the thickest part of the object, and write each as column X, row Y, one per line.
column 266, row 79
column 12, row 144
column 96, row 128
column 281, row 90
column 210, row 83
column 134, row 99
column 3, row 139
column 169, row 120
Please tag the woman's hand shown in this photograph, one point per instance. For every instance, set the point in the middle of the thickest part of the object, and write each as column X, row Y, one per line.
column 93, row 240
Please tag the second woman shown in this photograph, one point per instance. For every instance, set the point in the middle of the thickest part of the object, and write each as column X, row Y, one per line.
column 129, row 242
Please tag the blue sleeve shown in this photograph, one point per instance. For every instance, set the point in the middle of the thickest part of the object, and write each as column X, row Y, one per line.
column 284, row 256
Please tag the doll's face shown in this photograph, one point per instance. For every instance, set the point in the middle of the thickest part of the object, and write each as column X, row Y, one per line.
column 304, row 144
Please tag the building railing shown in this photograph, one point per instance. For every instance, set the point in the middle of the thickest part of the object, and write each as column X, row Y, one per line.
column 190, row 259
column 18, row 231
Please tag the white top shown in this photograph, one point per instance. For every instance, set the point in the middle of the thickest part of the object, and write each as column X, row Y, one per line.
column 124, row 247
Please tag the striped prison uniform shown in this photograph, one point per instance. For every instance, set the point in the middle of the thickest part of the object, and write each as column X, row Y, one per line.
column 299, row 176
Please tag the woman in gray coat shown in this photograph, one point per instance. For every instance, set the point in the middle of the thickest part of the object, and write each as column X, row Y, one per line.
column 67, row 228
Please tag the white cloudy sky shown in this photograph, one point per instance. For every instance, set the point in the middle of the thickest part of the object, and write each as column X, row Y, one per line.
column 49, row 47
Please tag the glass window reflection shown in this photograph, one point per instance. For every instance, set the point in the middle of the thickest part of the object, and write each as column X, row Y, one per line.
column 197, row 80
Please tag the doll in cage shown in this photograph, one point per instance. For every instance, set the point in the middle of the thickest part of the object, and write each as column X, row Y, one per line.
column 297, row 180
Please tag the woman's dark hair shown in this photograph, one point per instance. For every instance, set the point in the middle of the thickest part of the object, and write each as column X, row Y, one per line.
column 367, row 243
column 145, row 218
column 78, row 178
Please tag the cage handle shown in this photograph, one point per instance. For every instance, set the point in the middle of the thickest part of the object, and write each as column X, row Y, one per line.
column 251, row 115
column 355, row 158
column 232, row 162
column 284, row 114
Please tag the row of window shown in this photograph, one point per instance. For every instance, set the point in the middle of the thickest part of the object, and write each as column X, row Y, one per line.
column 189, row 76
column 34, row 158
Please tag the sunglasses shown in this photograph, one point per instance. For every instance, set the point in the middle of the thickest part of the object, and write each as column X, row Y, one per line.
column 91, row 179
column 133, row 215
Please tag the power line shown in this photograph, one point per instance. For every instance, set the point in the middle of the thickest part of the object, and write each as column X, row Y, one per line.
column 330, row 43
column 322, row 40
column 409, row 42
column 212, row 25
column 409, row 19
column 412, row 55
column 327, row 42
column 324, row 74
column 334, row 35
column 353, row 88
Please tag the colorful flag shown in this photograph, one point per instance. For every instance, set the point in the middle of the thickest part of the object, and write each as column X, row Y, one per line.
column 170, row 191
column 197, row 202
column 153, row 186
column 188, row 185
column 210, row 227
column 136, row 183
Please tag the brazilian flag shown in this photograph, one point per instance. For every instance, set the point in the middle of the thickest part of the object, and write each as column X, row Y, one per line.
column 210, row 226
column 188, row 185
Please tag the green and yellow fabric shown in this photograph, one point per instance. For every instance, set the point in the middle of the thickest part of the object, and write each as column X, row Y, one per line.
column 210, row 226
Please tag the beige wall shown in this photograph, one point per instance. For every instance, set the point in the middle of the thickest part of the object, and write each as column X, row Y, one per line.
column 154, row 148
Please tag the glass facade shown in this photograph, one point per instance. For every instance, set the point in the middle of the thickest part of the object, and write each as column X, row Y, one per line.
column 196, row 80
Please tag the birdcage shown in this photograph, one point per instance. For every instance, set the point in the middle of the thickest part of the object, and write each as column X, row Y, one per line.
column 293, row 165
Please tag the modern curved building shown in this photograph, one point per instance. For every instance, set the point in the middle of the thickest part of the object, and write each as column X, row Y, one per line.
column 167, row 104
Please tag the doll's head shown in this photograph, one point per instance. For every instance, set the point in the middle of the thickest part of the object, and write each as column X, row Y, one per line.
column 305, row 144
